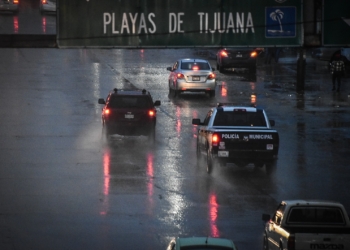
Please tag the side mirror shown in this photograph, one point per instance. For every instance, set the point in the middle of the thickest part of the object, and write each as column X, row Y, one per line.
column 266, row 217
column 169, row 68
column 196, row 121
column 101, row 101
column 157, row 103
column 272, row 123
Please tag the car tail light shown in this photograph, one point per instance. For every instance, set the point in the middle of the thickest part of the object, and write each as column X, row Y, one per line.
column 152, row 113
column 211, row 76
column 107, row 111
column 180, row 76
column 16, row 1
column 215, row 140
column 224, row 54
column 291, row 242
column 253, row 54
column 44, row 1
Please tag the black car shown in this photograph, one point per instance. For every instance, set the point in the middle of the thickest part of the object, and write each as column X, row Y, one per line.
column 129, row 112
column 237, row 58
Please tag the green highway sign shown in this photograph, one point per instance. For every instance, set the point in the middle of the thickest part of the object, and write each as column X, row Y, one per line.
column 181, row 23
column 336, row 23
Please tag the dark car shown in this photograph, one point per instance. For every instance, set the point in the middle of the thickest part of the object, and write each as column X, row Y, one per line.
column 129, row 112
column 237, row 58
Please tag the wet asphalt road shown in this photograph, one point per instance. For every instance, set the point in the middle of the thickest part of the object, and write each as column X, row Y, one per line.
column 63, row 187
column 28, row 20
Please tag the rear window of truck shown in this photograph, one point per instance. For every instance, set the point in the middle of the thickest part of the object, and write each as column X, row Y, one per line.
column 316, row 215
column 231, row 118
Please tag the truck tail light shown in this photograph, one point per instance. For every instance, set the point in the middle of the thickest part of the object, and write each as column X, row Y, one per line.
column 211, row 76
column 215, row 139
column 254, row 54
column 224, row 54
column 180, row 76
column 291, row 242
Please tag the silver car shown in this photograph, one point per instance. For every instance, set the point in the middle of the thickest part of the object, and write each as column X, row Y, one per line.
column 9, row 5
column 48, row 6
column 194, row 75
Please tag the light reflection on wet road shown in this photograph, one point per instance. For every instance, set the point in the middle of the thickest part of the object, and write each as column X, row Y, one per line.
column 63, row 187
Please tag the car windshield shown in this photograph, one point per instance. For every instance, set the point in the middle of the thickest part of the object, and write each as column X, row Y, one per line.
column 195, row 65
column 129, row 102
column 231, row 118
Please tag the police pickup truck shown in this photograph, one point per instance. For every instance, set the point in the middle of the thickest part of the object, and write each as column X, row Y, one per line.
column 307, row 224
column 239, row 135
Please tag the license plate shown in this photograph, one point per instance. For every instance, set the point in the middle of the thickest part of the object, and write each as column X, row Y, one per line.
column 223, row 153
column 129, row 116
column 196, row 78
column 269, row 146
column 239, row 55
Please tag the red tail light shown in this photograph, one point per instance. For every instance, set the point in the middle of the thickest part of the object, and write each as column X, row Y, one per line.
column 107, row 111
column 211, row 76
column 253, row 54
column 16, row 1
column 180, row 76
column 224, row 54
column 152, row 113
column 44, row 1
column 215, row 140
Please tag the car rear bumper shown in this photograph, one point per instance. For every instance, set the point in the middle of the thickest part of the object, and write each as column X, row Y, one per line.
column 127, row 128
column 247, row 155
column 228, row 62
column 196, row 86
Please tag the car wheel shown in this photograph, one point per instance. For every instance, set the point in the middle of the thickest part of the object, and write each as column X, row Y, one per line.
column 105, row 133
column 170, row 91
column 265, row 244
column 175, row 92
column 198, row 152
column 222, row 69
column 152, row 136
column 252, row 69
column 212, row 93
column 218, row 66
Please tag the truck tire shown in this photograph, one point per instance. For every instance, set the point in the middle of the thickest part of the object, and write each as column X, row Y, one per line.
column 270, row 166
column 209, row 162
column 265, row 244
